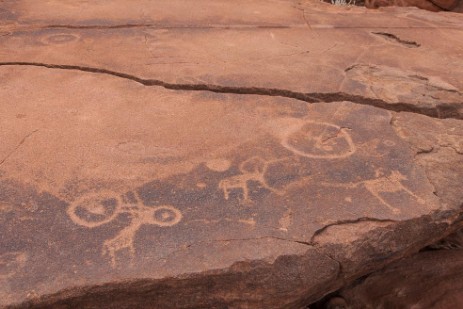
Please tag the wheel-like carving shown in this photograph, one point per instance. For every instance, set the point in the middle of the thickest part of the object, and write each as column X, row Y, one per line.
column 165, row 215
column 319, row 140
column 95, row 209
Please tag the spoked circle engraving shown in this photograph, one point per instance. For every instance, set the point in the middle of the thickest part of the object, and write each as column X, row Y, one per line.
column 95, row 209
column 319, row 140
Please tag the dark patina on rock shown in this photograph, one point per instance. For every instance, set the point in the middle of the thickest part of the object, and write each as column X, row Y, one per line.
column 115, row 191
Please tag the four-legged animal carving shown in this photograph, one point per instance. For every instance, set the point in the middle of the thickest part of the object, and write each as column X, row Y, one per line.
column 95, row 210
column 253, row 169
column 383, row 184
column 389, row 184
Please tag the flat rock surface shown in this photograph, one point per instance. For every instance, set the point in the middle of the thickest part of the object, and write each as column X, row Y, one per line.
column 255, row 155
column 389, row 57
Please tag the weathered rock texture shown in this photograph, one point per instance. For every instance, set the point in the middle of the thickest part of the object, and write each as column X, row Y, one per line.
column 430, row 5
column 250, row 155
column 429, row 279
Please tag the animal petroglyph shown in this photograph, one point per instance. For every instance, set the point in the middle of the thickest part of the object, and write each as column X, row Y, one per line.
column 319, row 140
column 253, row 169
column 383, row 184
column 163, row 216
column 98, row 209
column 11, row 263
column 390, row 184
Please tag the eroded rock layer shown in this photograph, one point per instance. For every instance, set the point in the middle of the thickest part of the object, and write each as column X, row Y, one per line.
column 429, row 279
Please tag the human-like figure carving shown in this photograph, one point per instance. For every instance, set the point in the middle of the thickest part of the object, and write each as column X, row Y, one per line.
column 253, row 169
column 98, row 209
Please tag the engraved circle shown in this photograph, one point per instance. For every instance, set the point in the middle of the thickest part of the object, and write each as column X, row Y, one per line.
column 61, row 38
column 319, row 140
column 389, row 143
column 166, row 215
column 218, row 165
column 95, row 209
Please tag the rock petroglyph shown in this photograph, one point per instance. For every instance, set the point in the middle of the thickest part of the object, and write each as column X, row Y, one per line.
column 61, row 38
column 306, row 140
column 100, row 208
column 218, row 165
column 391, row 183
column 207, row 154
column 252, row 169
column 318, row 140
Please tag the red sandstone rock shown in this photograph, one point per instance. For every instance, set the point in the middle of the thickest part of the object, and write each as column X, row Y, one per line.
column 431, row 279
column 220, row 155
column 430, row 5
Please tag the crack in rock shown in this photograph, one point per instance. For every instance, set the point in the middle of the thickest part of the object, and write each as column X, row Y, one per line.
column 161, row 26
column 256, row 238
column 442, row 111
column 449, row 8
column 318, row 232
column 393, row 37
column 17, row 147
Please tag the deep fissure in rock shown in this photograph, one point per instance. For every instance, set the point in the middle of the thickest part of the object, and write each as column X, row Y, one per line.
column 390, row 36
column 442, row 111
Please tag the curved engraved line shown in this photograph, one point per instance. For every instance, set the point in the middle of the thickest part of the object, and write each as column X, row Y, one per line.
column 285, row 143
column 71, row 211
column 178, row 216
column 49, row 39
